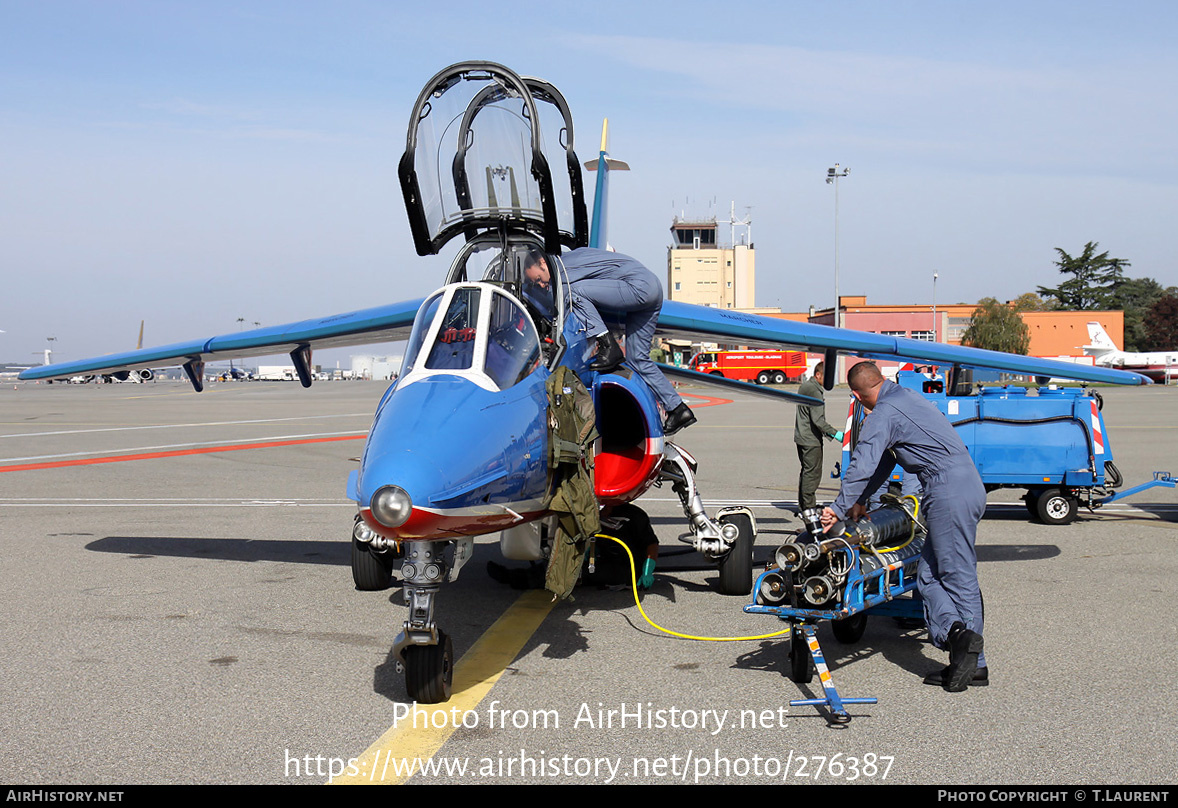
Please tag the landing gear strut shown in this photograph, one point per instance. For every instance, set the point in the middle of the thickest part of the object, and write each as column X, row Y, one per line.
column 728, row 539
column 422, row 651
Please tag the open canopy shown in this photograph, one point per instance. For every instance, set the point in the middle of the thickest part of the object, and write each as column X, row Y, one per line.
column 477, row 160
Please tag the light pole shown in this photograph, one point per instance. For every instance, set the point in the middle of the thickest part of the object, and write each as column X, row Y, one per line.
column 935, row 308
column 833, row 175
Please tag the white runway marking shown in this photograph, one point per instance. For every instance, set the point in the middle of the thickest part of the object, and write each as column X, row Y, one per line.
column 790, row 504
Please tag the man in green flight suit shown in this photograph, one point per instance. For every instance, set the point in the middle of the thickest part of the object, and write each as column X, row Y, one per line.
column 810, row 428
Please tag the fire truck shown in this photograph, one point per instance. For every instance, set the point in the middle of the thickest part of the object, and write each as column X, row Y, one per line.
column 763, row 367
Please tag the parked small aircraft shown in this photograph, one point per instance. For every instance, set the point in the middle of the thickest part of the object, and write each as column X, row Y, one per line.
column 1159, row 366
column 457, row 447
column 137, row 375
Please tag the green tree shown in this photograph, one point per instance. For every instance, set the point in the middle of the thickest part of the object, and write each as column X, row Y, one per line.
column 1093, row 276
column 1134, row 296
column 1162, row 324
column 1030, row 301
column 997, row 327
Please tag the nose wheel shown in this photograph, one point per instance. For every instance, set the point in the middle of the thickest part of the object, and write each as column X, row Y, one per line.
column 429, row 671
column 423, row 652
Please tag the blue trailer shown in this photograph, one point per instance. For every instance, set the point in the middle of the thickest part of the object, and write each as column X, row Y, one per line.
column 1050, row 442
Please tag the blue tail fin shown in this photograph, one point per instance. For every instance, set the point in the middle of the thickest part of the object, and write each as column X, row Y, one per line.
column 602, row 165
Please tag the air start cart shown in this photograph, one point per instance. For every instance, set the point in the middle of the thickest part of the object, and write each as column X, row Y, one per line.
column 853, row 569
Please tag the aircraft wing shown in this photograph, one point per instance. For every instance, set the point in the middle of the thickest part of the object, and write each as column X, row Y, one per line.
column 687, row 321
column 732, row 384
column 367, row 326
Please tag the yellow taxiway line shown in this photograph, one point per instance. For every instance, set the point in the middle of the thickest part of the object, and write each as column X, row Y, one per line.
column 393, row 754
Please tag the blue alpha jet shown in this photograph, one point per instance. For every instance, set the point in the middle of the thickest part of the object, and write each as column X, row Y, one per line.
column 458, row 446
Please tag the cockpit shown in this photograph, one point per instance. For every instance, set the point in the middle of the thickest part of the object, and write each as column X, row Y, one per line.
column 476, row 167
column 490, row 322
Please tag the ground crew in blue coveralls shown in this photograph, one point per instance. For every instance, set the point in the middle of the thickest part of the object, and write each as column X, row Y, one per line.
column 925, row 444
column 617, row 283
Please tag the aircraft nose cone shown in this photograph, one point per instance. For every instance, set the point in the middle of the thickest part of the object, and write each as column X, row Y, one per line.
column 460, row 453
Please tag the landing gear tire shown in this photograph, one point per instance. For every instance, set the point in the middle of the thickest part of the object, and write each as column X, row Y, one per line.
column 736, row 568
column 800, row 670
column 429, row 671
column 763, row 377
column 850, row 629
column 1057, row 508
column 371, row 571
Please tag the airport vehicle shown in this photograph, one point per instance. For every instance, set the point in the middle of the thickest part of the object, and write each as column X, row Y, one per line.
column 1053, row 443
column 457, row 447
column 763, row 367
column 1161, row 366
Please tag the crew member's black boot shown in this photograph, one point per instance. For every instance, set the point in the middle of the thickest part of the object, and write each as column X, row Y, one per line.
column 678, row 418
column 609, row 354
column 981, row 677
column 964, row 647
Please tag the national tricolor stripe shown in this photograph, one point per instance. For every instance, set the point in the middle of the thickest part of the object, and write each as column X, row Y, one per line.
column 91, row 461
column 1097, row 431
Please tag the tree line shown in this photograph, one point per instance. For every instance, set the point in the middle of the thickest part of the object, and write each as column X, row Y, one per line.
column 1094, row 281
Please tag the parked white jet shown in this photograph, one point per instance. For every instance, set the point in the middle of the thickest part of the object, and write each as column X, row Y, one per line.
column 1157, row 366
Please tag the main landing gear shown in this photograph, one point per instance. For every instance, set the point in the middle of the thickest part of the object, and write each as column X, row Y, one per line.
column 728, row 539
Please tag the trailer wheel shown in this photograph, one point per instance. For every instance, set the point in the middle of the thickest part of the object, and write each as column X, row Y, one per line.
column 1057, row 508
column 850, row 629
column 800, row 669
column 736, row 568
column 778, row 377
column 763, row 377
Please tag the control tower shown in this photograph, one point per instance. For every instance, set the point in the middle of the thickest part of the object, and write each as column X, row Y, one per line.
column 702, row 271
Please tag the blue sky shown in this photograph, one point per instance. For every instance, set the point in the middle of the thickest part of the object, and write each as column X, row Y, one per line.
column 188, row 164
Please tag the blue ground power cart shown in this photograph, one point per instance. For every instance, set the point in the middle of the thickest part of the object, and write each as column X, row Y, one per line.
column 1050, row 442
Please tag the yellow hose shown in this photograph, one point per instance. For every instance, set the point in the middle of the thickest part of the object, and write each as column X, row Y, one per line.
column 638, row 603
column 634, row 588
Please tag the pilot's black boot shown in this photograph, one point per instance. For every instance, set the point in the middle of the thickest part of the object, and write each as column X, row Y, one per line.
column 678, row 418
column 964, row 647
column 609, row 354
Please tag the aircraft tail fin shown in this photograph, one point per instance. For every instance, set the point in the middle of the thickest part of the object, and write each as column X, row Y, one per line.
column 1099, row 341
column 602, row 165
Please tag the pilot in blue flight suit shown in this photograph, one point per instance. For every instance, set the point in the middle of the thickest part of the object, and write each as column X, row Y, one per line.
column 925, row 444
column 619, row 283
